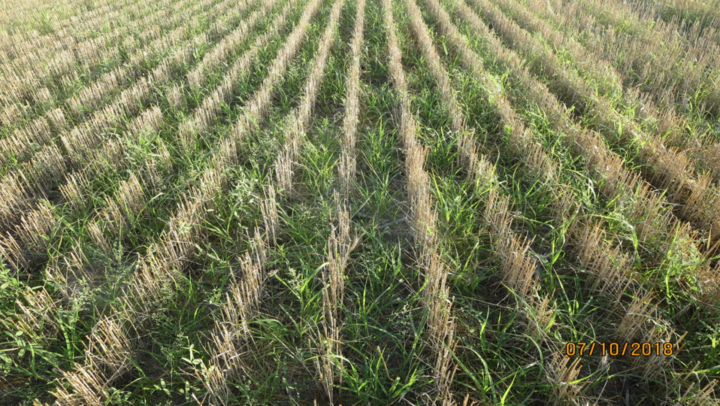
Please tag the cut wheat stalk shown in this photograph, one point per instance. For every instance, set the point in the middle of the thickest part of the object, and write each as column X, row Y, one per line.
column 610, row 268
column 109, row 350
column 164, row 258
column 518, row 266
column 566, row 385
column 601, row 258
column 230, row 333
column 436, row 297
column 34, row 235
column 298, row 120
column 611, row 271
column 672, row 170
column 347, row 164
column 682, row 13
column 258, row 105
column 670, row 126
column 223, row 50
column 329, row 364
column 22, row 45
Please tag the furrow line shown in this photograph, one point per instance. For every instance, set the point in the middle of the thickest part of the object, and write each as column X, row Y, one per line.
column 34, row 56
column 39, row 132
column 27, row 72
column 207, row 113
column 129, row 199
column 706, row 16
column 28, row 42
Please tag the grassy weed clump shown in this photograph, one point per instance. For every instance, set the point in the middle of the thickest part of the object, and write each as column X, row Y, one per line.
column 359, row 202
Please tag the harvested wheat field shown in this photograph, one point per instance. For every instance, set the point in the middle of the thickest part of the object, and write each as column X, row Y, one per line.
column 359, row 202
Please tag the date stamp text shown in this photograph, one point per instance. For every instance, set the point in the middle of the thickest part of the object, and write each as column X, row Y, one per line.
column 619, row 349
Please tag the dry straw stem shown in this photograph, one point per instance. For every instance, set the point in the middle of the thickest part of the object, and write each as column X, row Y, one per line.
column 109, row 347
column 682, row 12
column 32, row 232
column 709, row 287
column 540, row 316
column 165, row 257
column 314, row 81
column 35, row 226
column 520, row 138
column 229, row 339
column 408, row 125
column 11, row 252
column 97, row 237
column 442, row 78
column 638, row 314
column 176, row 246
column 126, row 101
column 19, row 144
column 86, row 385
column 347, row 164
column 47, row 167
column 283, row 169
column 614, row 276
column 519, row 269
column 175, row 96
column 610, row 269
column 655, row 365
column 269, row 209
column 329, row 362
column 32, row 56
column 130, row 196
column 424, row 216
column 73, row 189
column 37, row 314
column 669, row 124
column 227, row 45
column 696, row 394
column 478, row 167
column 564, row 377
column 90, row 96
column 520, row 266
column 206, row 115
